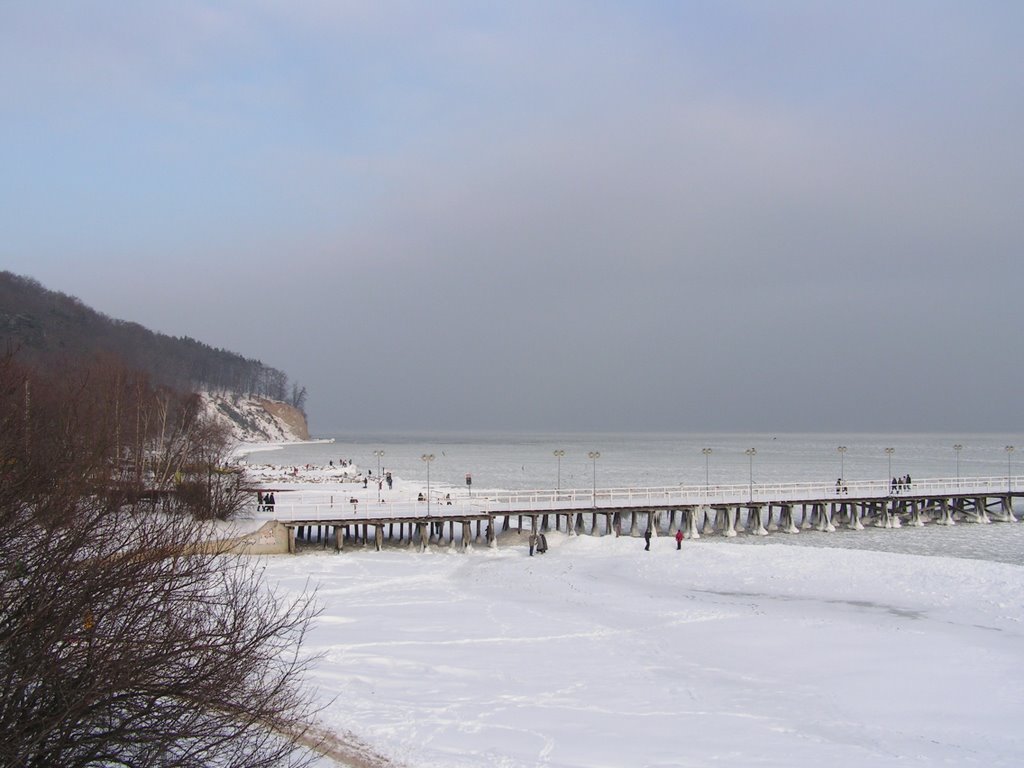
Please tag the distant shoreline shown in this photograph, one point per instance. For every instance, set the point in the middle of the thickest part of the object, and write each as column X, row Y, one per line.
column 244, row 449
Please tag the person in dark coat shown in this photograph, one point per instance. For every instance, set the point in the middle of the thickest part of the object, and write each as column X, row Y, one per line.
column 647, row 538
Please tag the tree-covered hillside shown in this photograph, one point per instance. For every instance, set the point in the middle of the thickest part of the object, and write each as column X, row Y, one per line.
column 45, row 326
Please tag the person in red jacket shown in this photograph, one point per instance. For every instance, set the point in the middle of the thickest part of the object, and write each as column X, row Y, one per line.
column 679, row 539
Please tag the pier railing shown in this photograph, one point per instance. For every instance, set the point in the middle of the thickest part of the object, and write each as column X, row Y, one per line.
column 315, row 506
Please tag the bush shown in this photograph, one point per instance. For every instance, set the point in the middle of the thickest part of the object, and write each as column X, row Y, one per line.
column 123, row 642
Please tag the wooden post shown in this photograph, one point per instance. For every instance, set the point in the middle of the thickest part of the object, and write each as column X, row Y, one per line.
column 786, row 521
column 731, row 516
column 825, row 518
column 690, row 516
column 853, row 512
column 755, row 523
column 707, row 526
column 945, row 515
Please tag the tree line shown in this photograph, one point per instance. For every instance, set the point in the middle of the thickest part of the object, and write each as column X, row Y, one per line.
column 124, row 640
column 47, row 325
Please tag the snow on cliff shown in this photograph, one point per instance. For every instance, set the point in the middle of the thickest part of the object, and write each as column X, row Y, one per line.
column 255, row 419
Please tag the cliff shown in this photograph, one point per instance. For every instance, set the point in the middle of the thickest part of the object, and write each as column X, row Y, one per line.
column 256, row 419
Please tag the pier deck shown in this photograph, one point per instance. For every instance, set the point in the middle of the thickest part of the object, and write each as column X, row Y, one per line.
column 757, row 509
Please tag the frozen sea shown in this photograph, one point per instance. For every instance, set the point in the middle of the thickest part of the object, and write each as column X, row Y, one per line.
column 517, row 461
column 881, row 647
column 503, row 461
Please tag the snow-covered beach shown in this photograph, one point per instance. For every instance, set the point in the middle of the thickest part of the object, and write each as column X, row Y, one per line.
column 601, row 654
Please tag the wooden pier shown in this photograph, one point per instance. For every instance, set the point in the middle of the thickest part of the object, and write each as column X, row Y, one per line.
column 724, row 510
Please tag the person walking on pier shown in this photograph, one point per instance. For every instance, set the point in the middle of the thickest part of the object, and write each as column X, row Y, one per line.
column 679, row 539
column 647, row 538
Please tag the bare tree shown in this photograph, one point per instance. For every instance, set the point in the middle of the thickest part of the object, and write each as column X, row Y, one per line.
column 123, row 640
column 298, row 398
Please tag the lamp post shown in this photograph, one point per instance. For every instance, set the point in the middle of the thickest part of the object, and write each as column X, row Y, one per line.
column 751, row 453
column 1009, row 476
column 889, row 452
column 558, row 455
column 594, row 456
column 378, row 454
column 842, row 464
column 707, row 462
column 427, row 458
column 957, row 448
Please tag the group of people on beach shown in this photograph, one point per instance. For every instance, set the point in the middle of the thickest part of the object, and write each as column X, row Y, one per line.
column 265, row 501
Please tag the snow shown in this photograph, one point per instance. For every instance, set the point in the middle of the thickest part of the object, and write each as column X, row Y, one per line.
column 249, row 422
column 600, row 654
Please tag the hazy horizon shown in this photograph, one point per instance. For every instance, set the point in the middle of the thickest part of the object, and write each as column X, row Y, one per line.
column 555, row 217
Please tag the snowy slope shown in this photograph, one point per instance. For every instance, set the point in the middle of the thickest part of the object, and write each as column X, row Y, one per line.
column 256, row 420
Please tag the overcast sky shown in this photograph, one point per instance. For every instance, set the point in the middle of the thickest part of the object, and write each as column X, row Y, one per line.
column 778, row 216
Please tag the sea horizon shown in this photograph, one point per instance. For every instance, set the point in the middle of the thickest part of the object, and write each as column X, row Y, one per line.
column 517, row 460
